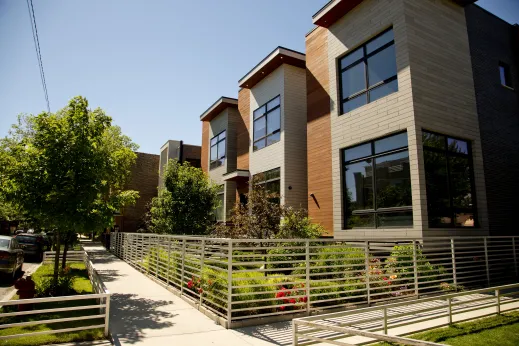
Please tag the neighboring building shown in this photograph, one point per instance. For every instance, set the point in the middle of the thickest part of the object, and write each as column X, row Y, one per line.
column 411, row 133
column 262, row 134
column 144, row 177
column 182, row 152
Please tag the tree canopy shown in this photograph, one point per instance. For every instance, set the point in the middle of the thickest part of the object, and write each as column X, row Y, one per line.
column 68, row 169
column 186, row 204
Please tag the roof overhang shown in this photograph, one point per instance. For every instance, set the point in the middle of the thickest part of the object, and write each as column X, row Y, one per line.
column 239, row 174
column 336, row 9
column 219, row 106
column 279, row 56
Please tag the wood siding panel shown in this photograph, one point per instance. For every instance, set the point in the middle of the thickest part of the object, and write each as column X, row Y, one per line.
column 319, row 147
column 242, row 129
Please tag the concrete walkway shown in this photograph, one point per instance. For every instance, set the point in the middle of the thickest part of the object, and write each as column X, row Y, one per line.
column 144, row 313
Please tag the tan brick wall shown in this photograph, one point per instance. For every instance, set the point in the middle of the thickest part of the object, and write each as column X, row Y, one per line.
column 144, row 179
column 319, row 129
column 204, row 157
column 242, row 129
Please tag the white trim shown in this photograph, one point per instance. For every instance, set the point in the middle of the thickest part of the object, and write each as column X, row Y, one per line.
column 236, row 174
column 217, row 103
column 269, row 58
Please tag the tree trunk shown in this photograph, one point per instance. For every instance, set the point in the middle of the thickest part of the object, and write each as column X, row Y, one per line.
column 65, row 250
column 56, row 261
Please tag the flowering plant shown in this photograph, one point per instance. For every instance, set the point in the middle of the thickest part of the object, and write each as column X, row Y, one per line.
column 290, row 297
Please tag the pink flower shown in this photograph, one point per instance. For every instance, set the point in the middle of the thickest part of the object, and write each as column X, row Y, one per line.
column 303, row 299
column 190, row 284
column 292, row 301
column 200, row 290
column 282, row 307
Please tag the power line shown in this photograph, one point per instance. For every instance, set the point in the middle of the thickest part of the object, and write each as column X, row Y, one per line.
column 34, row 29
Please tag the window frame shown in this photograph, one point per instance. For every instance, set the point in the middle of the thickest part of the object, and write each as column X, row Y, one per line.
column 365, row 57
column 265, row 115
column 507, row 83
column 373, row 211
column 220, row 160
column 264, row 182
column 221, row 192
column 448, row 154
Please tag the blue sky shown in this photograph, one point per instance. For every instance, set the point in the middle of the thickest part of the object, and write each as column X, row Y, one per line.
column 154, row 66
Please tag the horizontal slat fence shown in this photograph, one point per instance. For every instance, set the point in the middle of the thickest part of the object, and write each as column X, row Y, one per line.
column 240, row 280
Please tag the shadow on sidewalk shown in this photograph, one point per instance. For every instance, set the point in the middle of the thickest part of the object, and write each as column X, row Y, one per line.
column 130, row 316
column 277, row 333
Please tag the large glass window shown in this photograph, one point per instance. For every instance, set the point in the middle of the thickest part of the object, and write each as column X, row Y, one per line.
column 449, row 180
column 220, row 210
column 271, row 180
column 368, row 73
column 504, row 75
column 377, row 184
column 267, row 124
column 218, row 144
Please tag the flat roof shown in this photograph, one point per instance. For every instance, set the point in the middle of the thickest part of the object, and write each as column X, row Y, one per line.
column 336, row 9
column 217, row 107
column 276, row 58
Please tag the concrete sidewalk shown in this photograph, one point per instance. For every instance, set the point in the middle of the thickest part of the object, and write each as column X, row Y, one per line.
column 144, row 313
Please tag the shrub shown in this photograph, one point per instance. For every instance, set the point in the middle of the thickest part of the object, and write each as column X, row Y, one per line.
column 45, row 286
column 334, row 261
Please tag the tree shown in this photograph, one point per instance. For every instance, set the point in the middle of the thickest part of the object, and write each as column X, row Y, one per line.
column 263, row 217
column 187, row 202
column 67, row 170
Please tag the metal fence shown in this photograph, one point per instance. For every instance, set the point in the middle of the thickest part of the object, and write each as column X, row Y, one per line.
column 96, row 307
column 239, row 280
column 374, row 322
column 72, row 256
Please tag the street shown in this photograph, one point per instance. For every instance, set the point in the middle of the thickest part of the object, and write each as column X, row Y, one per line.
column 6, row 287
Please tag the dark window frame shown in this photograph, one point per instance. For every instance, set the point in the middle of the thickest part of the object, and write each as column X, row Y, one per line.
column 365, row 57
column 219, row 161
column 448, row 154
column 219, row 193
column 506, row 74
column 265, row 115
column 265, row 182
column 374, row 211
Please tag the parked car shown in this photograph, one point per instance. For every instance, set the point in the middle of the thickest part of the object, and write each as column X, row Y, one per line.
column 11, row 256
column 33, row 245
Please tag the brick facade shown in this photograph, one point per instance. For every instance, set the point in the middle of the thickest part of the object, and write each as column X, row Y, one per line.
column 492, row 41
column 144, row 179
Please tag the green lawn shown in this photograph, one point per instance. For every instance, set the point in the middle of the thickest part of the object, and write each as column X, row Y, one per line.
column 81, row 285
column 500, row 330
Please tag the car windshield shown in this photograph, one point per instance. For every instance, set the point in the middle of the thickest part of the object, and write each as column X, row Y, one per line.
column 4, row 243
column 26, row 239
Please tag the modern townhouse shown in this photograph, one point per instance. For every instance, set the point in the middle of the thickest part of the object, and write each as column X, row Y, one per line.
column 412, row 119
column 261, row 135
column 401, row 120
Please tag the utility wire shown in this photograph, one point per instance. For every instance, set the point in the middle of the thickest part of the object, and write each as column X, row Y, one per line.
column 34, row 29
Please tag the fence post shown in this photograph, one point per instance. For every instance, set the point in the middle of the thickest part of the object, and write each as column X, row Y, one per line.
column 366, row 255
column 169, row 261
column 384, row 320
column 157, row 257
column 515, row 257
column 107, row 314
column 202, row 258
column 229, row 284
column 415, row 268
column 449, row 309
column 453, row 255
column 182, row 266
column 307, row 283
column 486, row 261
column 295, row 340
column 498, row 298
